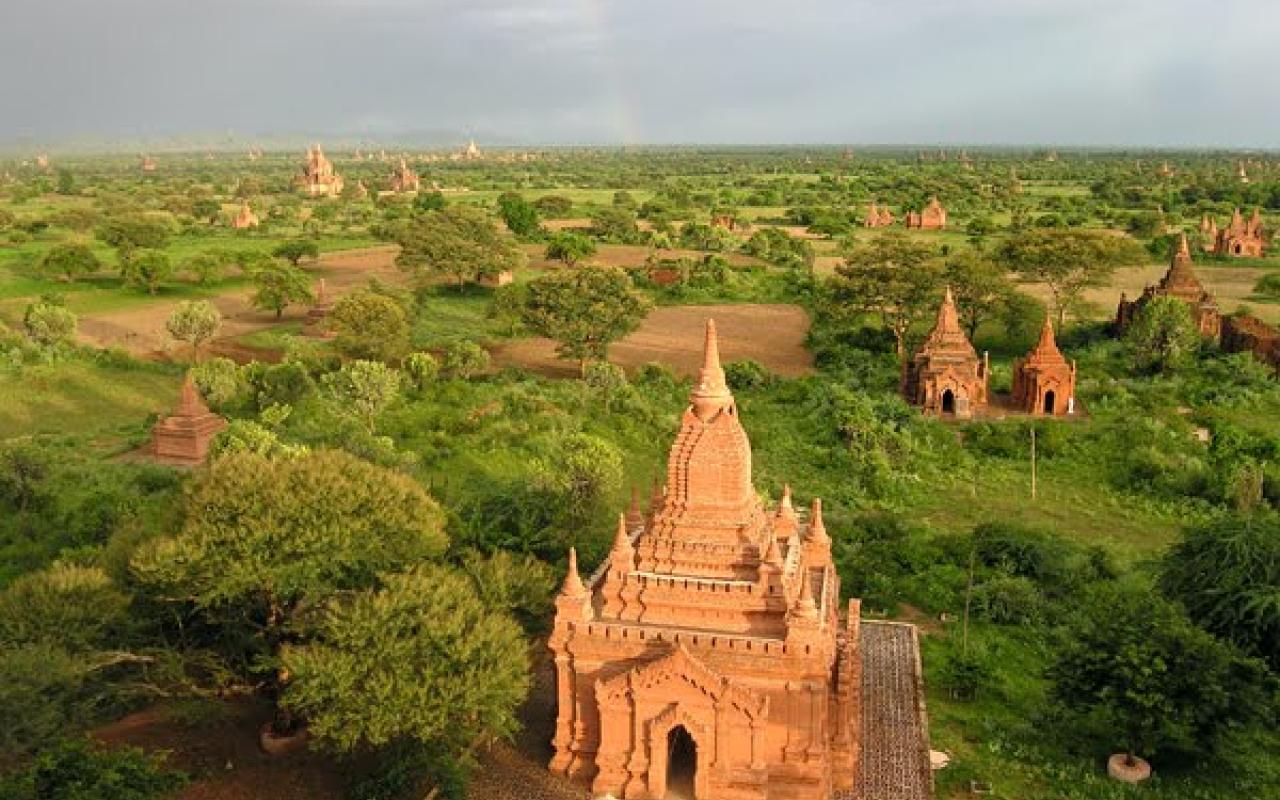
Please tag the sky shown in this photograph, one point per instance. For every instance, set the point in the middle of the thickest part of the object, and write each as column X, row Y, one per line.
column 536, row 72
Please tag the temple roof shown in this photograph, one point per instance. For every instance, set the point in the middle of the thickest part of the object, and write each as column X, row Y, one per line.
column 189, row 402
column 1046, row 351
column 947, row 337
column 1181, row 277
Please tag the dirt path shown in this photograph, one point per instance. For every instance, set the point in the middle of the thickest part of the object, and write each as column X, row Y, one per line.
column 771, row 334
column 141, row 331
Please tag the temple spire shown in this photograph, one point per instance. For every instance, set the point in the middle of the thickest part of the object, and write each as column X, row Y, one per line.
column 817, row 528
column 1184, row 250
column 573, row 586
column 622, row 554
column 711, row 394
column 805, row 607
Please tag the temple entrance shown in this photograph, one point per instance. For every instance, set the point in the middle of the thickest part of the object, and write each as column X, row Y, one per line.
column 1048, row 402
column 948, row 402
column 682, row 764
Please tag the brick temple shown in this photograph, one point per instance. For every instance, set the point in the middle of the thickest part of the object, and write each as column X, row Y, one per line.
column 1240, row 237
column 877, row 217
column 1044, row 382
column 708, row 655
column 244, row 218
column 404, row 179
column 932, row 218
column 1182, row 283
column 184, row 436
column 319, row 178
column 946, row 377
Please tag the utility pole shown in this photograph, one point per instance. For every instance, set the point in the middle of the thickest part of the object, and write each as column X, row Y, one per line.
column 1033, row 462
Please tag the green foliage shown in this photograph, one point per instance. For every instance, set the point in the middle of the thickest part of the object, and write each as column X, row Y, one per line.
column 458, row 241
column 421, row 369
column 277, row 285
column 295, row 250
column 219, row 382
column 519, row 214
column 615, row 224
column 893, row 276
column 369, row 326
column 980, row 288
column 1068, row 261
column 519, row 585
column 147, row 269
column 1162, row 336
column 747, row 374
column 1226, row 573
column 194, row 322
column 69, row 260
column 76, row 770
column 49, row 324
column 247, row 436
column 422, row 659
column 584, row 310
column 1133, row 671
column 263, row 534
column 607, row 380
column 581, row 470
column 76, row 607
column 553, row 206
column 465, row 360
column 429, row 201
column 1268, row 286
column 570, row 247
column 128, row 234
column 363, row 389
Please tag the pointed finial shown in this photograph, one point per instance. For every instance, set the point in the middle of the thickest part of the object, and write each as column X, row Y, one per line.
column 772, row 552
column 711, row 394
column 1183, row 248
column 805, row 607
column 785, row 503
column 817, row 528
column 573, row 586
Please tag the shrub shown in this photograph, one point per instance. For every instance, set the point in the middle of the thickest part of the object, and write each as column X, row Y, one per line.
column 421, row 369
column 465, row 360
column 76, row 770
column 746, row 374
column 49, row 324
column 220, row 382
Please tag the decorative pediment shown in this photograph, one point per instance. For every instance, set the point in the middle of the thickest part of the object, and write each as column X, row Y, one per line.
column 680, row 668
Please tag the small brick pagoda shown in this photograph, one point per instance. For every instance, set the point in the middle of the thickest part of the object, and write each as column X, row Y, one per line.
column 932, row 218
column 1181, row 282
column 148, row 163
column 1043, row 381
column 318, row 178
column 314, row 325
column 707, row 654
column 183, row 437
column 1241, row 237
column 244, row 218
column 404, row 179
column 946, row 377
column 877, row 217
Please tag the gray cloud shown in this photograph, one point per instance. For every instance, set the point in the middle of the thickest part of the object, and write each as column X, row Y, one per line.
column 1095, row 72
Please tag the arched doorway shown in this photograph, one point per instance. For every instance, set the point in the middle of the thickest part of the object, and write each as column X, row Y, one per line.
column 682, row 764
column 1048, row 401
column 948, row 402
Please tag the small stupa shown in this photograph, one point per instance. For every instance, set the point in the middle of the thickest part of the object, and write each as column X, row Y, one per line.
column 314, row 326
column 184, row 436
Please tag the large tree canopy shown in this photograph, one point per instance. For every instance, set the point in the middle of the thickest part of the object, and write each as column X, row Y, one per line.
column 584, row 310
column 896, row 277
column 1068, row 261
column 458, row 241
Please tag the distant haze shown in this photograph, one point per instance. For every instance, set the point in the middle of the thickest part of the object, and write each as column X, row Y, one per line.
column 529, row 72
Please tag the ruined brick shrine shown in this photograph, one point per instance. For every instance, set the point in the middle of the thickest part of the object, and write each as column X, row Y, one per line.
column 707, row 656
column 1179, row 282
column 932, row 218
column 946, row 377
column 319, row 178
column 184, row 436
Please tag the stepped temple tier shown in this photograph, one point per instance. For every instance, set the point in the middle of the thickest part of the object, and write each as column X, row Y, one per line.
column 708, row 654
column 183, row 437
column 1181, row 282
column 318, row 176
column 946, row 377
column 1043, row 382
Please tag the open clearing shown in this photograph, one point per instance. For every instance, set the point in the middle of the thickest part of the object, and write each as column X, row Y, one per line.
column 772, row 334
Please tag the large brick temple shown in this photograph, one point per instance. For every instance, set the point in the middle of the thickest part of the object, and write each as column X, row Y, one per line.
column 707, row 656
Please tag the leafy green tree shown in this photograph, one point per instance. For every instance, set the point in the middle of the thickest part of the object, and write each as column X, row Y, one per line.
column 553, row 206
column 70, row 260
column 1068, row 261
column 206, row 267
column 459, row 241
column 278, row 284
column 465, row 360
column 194, row 322
column 206, row 209
column 363, row 389
column 422, row 659
column 220, row 382
column 429, row 201
column 49, row 323
column 584, row 310
column 519, row 214
column 24, row 466
column 79, row 608
column 66, row 182
column 128, row 234
column 265, row 536
column 980, row 287
column 520, row 585
column 581, row 470
column 895, row 277
column 615, row 224
column 147, row 269
column 1268, row 286
column 421, row 370
column 1162, row 335
column 1226, row 573
column 247, row 436
column 369, row 325
column 570, row 247
column 295, row 250
column 1134, row 672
